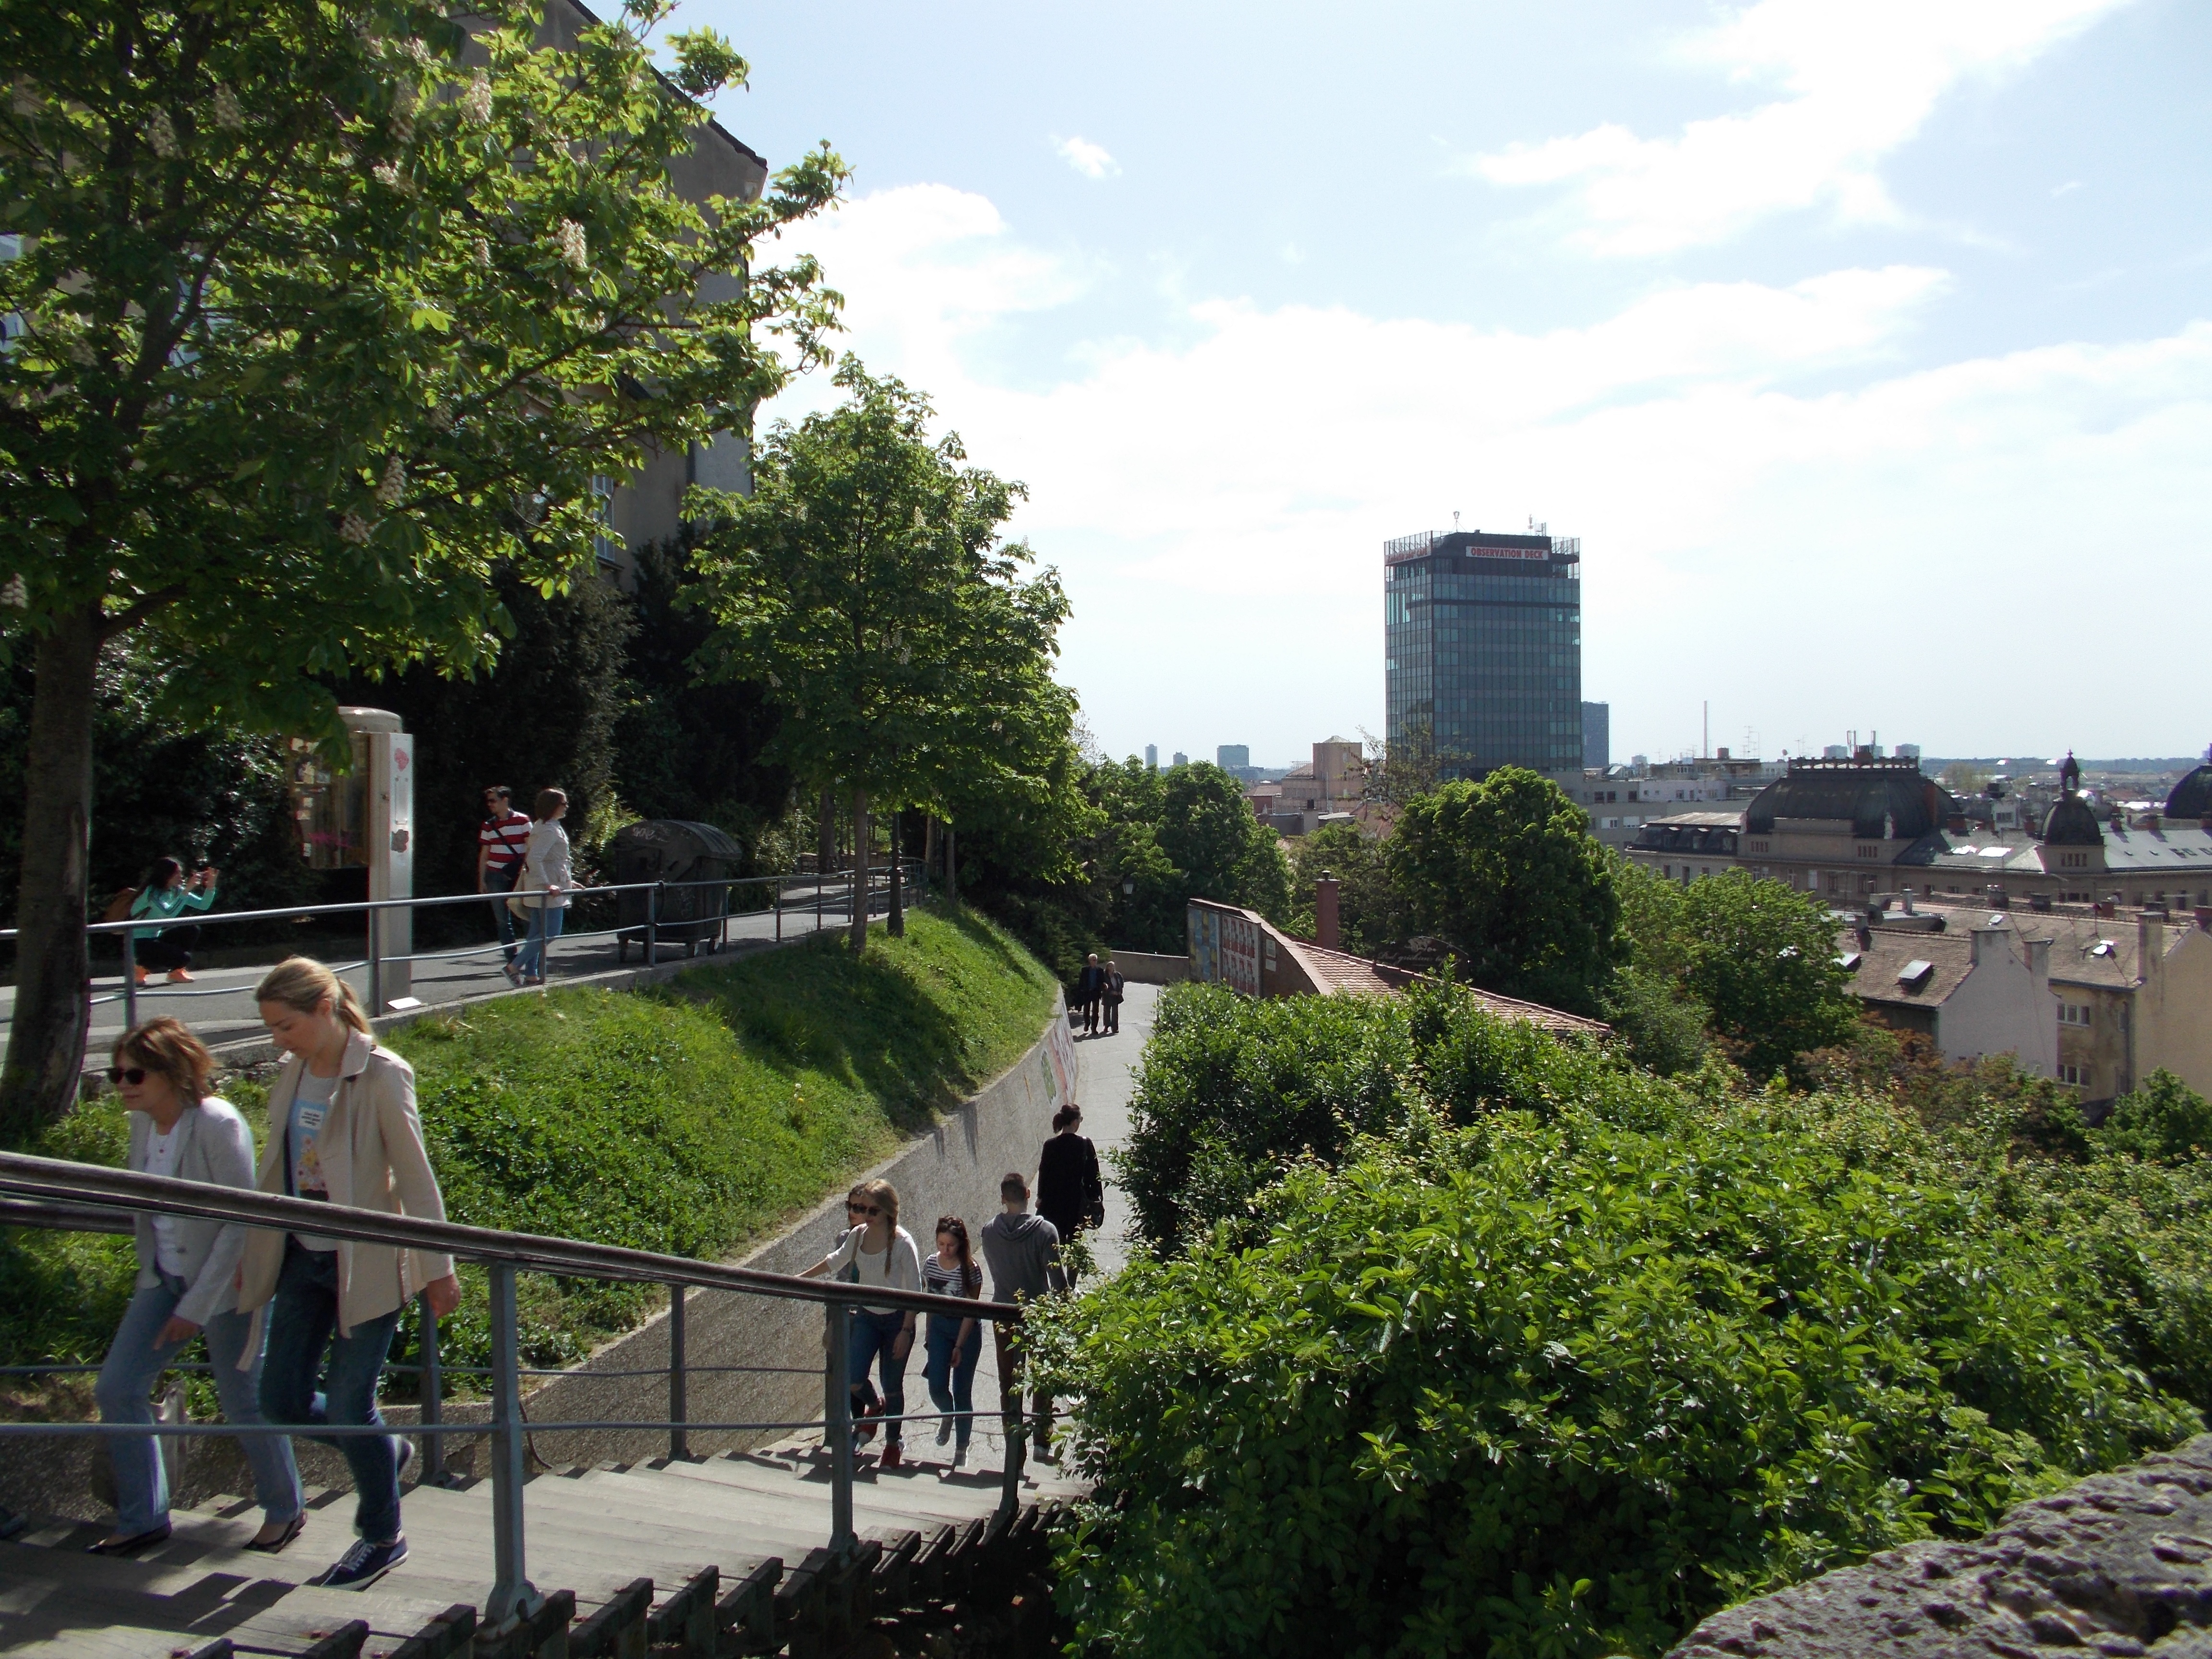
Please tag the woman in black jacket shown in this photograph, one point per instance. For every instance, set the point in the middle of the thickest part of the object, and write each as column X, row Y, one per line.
column 1069, row 1193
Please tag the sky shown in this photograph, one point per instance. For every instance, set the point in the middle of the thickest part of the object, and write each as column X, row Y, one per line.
column 1867, row 348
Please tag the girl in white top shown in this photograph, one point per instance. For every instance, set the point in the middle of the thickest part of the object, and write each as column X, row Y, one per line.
column 546, row 879
column 877, row 1250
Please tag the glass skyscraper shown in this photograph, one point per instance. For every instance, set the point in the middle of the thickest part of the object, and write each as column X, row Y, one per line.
column 1482, row 649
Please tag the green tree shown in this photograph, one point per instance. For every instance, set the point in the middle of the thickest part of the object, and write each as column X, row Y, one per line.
column 1207, row 830
column 1649, row 1002
column 1761, row 956
column 864, row 581
column 322, row 311
column 1505, row 871
column 2165, row 1121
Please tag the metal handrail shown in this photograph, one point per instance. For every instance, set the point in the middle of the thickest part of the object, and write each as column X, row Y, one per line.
column 859, row 889
column 59, row 1180
column 58, row 1193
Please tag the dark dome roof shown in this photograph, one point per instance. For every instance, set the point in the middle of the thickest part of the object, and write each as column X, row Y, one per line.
column 2192, row 796
column 1870, row 794
column 2071, row 824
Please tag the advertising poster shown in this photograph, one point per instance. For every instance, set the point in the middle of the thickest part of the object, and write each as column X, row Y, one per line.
column 1239, row 953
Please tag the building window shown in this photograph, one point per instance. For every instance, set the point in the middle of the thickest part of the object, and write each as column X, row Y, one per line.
column 1870, row 852
column 2074, row 1013
column 2075, row 1076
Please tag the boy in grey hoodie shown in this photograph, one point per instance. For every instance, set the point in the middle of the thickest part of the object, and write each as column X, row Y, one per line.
column 1023, row 1252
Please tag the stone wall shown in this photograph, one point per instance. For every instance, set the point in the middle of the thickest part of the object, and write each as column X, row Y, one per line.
column 2118, row 1565
column 1140, row 968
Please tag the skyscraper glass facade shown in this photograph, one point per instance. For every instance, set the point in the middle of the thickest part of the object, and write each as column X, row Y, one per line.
column 1482, row 649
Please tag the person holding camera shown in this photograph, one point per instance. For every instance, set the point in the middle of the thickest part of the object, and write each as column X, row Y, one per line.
column 165, row 893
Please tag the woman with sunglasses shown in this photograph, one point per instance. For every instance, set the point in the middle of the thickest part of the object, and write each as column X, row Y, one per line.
column 877, row 1250
column 185, row 1288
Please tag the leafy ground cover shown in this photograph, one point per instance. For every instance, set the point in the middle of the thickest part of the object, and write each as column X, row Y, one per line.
column 686, row 1119
column 1500, row 1344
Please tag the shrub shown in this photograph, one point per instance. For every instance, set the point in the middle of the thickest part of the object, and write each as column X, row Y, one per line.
column 1565, row 1385
column 2165, row 1121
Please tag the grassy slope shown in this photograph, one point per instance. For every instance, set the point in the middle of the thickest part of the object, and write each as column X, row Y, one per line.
column 690, row 1118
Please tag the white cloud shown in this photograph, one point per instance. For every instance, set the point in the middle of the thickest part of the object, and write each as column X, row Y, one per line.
column 1088, row 159
column 1857, row 82
column 1774, row 514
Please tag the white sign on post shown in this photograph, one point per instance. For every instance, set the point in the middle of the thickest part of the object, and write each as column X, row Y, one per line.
column 391, row 855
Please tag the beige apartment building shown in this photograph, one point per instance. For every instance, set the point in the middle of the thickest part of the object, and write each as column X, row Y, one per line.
column 1331, row 786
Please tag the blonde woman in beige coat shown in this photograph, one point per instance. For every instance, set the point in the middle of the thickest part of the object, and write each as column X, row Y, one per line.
column 342, row 1128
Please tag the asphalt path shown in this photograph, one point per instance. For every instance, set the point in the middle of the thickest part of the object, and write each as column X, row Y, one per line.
column 218, row 1004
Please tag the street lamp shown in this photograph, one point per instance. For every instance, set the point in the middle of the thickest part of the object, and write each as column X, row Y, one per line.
column 1129, row 886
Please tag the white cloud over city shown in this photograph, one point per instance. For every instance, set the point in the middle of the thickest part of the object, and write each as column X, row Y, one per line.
column 1850, row 85
column 1735, row 455
column 1090, row 159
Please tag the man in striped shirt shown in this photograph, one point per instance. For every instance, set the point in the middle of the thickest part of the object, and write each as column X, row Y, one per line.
column 500, row 846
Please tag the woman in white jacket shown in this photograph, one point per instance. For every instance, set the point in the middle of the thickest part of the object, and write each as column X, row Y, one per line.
column 343, row 1127
column 543, row 889
column 186, row 1287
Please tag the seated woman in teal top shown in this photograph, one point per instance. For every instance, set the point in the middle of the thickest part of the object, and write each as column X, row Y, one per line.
column 168, row 894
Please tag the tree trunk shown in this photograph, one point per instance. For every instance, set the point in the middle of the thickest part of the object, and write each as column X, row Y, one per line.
column 825, row 834
column 859, row 870
column 928, row 849
column 952, row 864
column 54, row 1011
column 897, row 925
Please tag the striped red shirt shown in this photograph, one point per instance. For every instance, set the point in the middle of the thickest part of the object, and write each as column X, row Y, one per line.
column 506, row 837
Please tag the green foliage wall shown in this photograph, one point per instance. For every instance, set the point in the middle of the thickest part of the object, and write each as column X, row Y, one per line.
column 1483, row 1342
column 161, row 788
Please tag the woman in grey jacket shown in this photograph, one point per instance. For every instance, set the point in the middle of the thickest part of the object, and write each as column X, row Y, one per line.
column 185, row 1286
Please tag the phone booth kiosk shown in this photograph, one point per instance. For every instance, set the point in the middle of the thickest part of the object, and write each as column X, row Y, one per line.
column 364, row 817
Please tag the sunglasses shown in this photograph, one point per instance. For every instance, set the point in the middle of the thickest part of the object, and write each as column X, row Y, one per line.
column 863, row 1209
column 133, row 1075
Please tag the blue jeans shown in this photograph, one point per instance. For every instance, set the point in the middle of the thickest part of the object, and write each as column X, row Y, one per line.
column 951, row 1372
column 872, row 1334
column 500, row 883
column 134, row 1363
column 302, row 1322
column 544, row 928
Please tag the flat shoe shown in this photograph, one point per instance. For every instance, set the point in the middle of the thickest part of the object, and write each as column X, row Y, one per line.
column 293, row 1529
column 131, row 1546
column 179, row 976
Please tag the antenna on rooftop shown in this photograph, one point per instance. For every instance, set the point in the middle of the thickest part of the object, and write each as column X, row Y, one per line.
column 1455, row 521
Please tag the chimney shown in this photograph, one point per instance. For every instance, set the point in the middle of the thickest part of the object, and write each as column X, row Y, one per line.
column 2150, row 948
column 1908, row 900
column 1325, row 925
column 2204, row 917
column 1865, row 936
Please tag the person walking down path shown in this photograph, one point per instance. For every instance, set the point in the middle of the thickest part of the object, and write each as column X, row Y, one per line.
column 877, row 1250
column 1111, row 987
column 343, row 1127
column 1023, row 1252
column 1070, row 1193
column 168, row 894
column 502, row 842
column 186, row 1287
column 543, row 891
column 956, row 1346
column 1088, row 984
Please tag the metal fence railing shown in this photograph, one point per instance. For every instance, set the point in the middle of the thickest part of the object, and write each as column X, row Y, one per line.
column 825, row 900
column 54, row 1193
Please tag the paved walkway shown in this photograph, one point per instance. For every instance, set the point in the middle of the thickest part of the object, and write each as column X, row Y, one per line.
column 219, row 1005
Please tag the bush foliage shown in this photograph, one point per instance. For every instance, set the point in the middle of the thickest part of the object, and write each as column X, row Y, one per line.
column 1498, row 1344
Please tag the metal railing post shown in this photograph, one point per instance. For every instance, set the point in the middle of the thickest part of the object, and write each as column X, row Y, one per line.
column 818, row 900
column 653, row 926
column 513, row 1596
column 434, row 1397
column 1011, row 1367
column 679, row 1437
column 837, row 1413
column 375, row 965
column 129, row 979
column 778, row 901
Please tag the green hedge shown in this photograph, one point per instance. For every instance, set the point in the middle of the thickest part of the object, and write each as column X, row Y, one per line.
column 1536, row 1354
